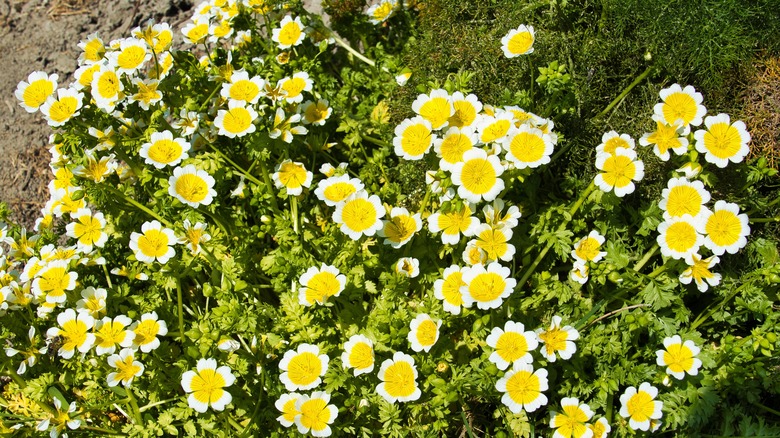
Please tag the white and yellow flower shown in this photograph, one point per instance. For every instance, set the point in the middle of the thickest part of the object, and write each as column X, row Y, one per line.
column 319, row 284
column 53, row 281
column 303, row 368
column 131, row 55
column 448, row 289
column 495, row 242
column 494, row 129
column 380, row 12
column 164, row 150
column 74, row 331
column 487, row 286
column 699, row 271
column 147, row 330
column 237, row 120
column 358, row 354
column 286, row 405
column 558, row 340
column 640, row 406
column 87, row 229
column 518, row 41
column 722, row 141
column 511, row 344
column 600, row 428
column 495, row 216
column 284, row 126
column 400, row 228
column 407, row 267
column 147, row 93
column 292, row 176
column 523, row 388
column 612, row 140
column 295, row 86
column 474, row 255
column 206, row 386
column 666, row 137
column 454, row 223
column 194, row 235
column 336, row 189
column 289, row 34
column 96, row 169
column 34, row 92
column 680, row 106
column 423, row 332
column 360, row 214
column 398, row 376
column 572, row 422
column 107, row 90
column 587, row 248
column 435, row 107
column 153, row 243
column 527, row 147
column 619, row 171
column 315, row 113
column 112, row 332
column 64, row 107
column 679, row 357
column 92, row 302
column 478, row 176
column 413, row 138
column 451, row 147
column 466, row 110
column 679, row 238
column 191, row 186
column 683, row 197
column 315, row 414
column 93, row 50
column 196, row 31
column 127, row 368
column 725, row 229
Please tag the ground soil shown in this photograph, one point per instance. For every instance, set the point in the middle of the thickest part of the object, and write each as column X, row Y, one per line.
column 44, row 35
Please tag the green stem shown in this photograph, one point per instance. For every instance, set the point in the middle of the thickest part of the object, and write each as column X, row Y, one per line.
column 766, row 408
column 658, row 271
column 714, row 308
column 270, row 186
column 375, row 141
column 233, row 163
column 137, row 419
column 126, row 158
column 646, row 258
column 349, row 49
column 139, row 206
column 381, row 167
column 574, row 208
column 466, row 424
column 760, row 220
column 180, row 305
column 108, row 278
column 756, row 210
column 294, row 213
column 101, row 430
column 625, row 92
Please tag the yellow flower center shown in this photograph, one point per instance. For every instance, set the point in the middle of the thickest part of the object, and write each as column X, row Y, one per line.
column 198, row 33
column 455, row 222
column 451, row 288
column 465, row 114
column 493, row 242
column 111, row 333
column 520, row 43
column 237, row 120
column 679, row 106
column 244, row 89
column 314, row 414
column 292, row 175
column 339, row 191
column 399, row 379
column 683, row 200
column 383, row 11
column 288, row 410
column 94, row 50
column 400, row 228
column 678, row 358
column 426, row 333
column 290, row 34
column 146, row 331
column 527, row 147
column 495, row 131
column 359, row 214
column 724, row 228
column 131, row 57
column 523, row 387
column 63, row 109
column 153, row 243
column 322, row 286
column 554, row 339
column 54, row 281
column 37, row 92
column 361, row 356
column 74, row 333
column 722, row 140
column 436, row 110
column 108, row 85
column 126, row 369
column 511, row 346
column 640, row 406
column 619, row 170
column 571, row 422
column 681, row 237
column 88, row 230
column 294, row 87
column 416, row 139
column 453, row 147
column 588, row 249
column 487, row 287
column 304, row 369
column 665, row 137
column 165, row 151
column 192, row 187
column 615, row 142
column 207, row 386
column 478, row 176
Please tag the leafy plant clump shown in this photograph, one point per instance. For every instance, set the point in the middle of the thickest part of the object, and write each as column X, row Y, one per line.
column 290, row 235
